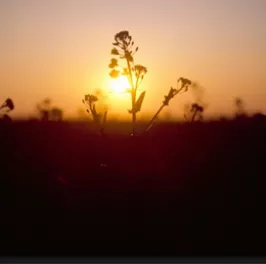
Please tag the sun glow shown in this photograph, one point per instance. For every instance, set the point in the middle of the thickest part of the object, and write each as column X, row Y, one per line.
column 119, row 85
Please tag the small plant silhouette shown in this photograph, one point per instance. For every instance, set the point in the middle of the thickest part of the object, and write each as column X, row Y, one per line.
column 48, row 112
column 56, row 114
column 5, row 108
column 194, row 111
column 240, row 107
column 90, row 103
column 182, row 87
column 123, row 49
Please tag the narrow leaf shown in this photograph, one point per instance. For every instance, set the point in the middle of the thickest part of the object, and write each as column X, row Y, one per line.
column 139, row 102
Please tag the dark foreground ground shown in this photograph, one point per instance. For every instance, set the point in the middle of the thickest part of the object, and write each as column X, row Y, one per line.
column 181, row 190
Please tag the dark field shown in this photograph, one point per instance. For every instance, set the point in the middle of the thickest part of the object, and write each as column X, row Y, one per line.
column 180, row 190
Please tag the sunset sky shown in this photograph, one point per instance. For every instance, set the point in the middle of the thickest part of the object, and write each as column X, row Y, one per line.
column 61, row 49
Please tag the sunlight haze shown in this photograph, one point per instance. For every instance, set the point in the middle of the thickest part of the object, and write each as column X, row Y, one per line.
column 61, row 49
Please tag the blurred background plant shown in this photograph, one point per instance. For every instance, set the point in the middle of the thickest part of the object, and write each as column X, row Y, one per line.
column 5, row 108
column 194, row 111
column 197, row 112
column 99, row 119
column 124, row 50
column 47, row 112
column 240, row 108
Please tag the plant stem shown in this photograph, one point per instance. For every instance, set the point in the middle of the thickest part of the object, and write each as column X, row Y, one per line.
column 154, row 117
column 103, row 123
column 193, row 117
column 133, row 96
column 133, row 113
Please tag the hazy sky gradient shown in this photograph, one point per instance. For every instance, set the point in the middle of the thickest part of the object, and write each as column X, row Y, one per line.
column 61, row 49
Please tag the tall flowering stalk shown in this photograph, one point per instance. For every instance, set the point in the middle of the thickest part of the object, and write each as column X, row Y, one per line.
column 123, row 50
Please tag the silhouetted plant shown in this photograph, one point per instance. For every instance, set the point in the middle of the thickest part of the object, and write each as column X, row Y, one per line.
column 44, row 108
column 197, row 111
column 56, row 114
column 240, row 107
column 182, row 87
column 8, row 104
column 49, row 113
column 90, row 102
column 6, row 107
column 123, row 49
column 194, row 111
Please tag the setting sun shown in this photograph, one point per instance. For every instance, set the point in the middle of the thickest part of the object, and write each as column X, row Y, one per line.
column 119, row 85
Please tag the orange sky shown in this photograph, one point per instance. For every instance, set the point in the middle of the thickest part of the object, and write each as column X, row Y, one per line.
column 61, row 49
